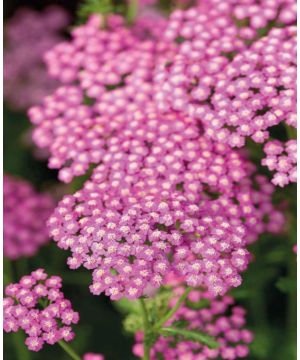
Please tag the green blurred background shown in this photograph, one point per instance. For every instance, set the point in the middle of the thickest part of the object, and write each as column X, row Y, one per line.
column 268, row 291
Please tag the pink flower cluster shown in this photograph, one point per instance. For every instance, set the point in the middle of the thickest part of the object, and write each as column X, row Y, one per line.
column 25, row 75
column 281, row 158
column 202, row 62
column 257, row 91
column 106, row 74
column 135, row 248
column 221, row 318
column 204, row 36
column 158, row 117
column 259, row 14
column 165, row 197
column 207, row 38
column 149, row 207
column 25, row 212
column 37, row 305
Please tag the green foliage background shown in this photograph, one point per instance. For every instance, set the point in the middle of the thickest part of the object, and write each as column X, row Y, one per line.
column 268, row 291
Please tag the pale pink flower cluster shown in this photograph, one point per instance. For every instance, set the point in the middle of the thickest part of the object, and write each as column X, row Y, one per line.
column 257, row 91
column 259, row 14
column 107, row 74
column 208, row 37
column 205, row 36
column 149, row 207
column 238, row 85
column 37, row 305
column 28, row 34
column 220, row 318
column 168, row 192
column 281, row 158
column 24, row 216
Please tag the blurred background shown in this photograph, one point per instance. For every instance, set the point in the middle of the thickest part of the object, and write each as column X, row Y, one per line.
column 268, row 291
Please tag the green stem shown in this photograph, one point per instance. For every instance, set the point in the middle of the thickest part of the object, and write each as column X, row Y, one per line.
column 18, row 338
column 144, row 313
column 132, row 11
column 67, row 348
column 146, row 323
column 170, row 313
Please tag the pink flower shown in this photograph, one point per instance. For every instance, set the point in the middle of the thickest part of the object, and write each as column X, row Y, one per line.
column 22, row 309
column 281, row 158
column 25, row 214
column 104, row 74
column 255, row 92
column 25, row 74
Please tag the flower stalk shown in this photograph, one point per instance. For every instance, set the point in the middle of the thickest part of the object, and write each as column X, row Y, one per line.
column 147, row 329
column 172, row 311
column 151, row 331
column 68, row 349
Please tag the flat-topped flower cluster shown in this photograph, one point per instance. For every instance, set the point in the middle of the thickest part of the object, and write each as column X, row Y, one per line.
column 37, row 305
column 157, row 117
column 159, row 113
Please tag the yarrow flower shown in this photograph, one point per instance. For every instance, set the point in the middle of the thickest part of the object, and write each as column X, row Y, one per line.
column 25, row 212
column 204, row 36
column 218, row 317
column 257, row 91
column 106, row 73
column 281, row 158
column 37, row 305
column 164, row 197
column 208, row 37
column 259, row 14
column 25, row 75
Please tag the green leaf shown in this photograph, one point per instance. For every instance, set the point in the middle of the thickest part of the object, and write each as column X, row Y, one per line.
column 180, row 323
column 197, row 305
column 287, row 285
column 94, row 7
column 193, row 335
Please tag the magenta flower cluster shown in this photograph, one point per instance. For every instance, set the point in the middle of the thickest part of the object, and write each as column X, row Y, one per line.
column 25, row 74
column 281, row 158
column 37, row 305
column 149, row 208
column 220, row 318
column 106, row 75
column 157, row 114
column 257, row 91
column 25, row 213
column 131, row 250
column 208, row 37
column 201, row 62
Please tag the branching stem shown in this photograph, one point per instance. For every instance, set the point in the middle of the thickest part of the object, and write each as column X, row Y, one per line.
column 170, row 313
column 67, row 348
